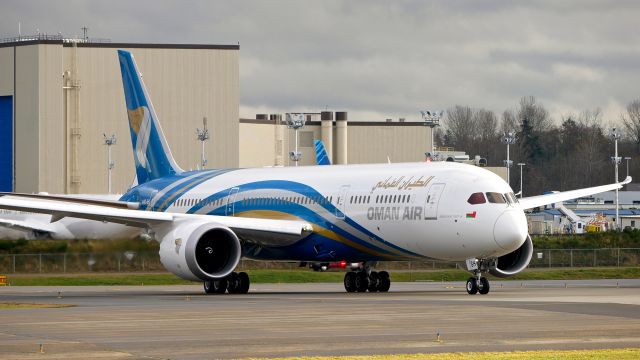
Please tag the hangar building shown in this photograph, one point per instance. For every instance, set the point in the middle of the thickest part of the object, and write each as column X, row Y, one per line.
column 59, row 96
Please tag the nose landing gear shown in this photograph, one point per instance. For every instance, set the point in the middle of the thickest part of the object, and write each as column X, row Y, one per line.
column 475, row 286
column 477, row 283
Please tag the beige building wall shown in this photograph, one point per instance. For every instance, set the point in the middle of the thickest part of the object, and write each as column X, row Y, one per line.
column 185, row 82
column 6, row 71
column 27, row 122
column 51, row 154
column 398, row 142
column 367, row 142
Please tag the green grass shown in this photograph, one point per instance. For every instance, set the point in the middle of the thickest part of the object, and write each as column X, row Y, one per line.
column 306, row 276
column 606, row 354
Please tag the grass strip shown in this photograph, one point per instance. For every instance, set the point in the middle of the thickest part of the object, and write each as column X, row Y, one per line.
column 306, row 276
column 604, row 354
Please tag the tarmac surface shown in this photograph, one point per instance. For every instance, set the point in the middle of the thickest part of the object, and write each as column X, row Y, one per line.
column 180, row 322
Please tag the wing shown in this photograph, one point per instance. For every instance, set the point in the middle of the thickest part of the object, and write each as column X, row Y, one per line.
column 263, row 231
column 541, row 200
column 21, row 225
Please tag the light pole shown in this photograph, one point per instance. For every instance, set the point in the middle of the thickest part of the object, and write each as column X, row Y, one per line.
column 432, row 119
column 508, row 138
column 202, row 137
column 295, row 121
column 109, row 141
column 627, row 161
column 521, row 166
column 616, row 160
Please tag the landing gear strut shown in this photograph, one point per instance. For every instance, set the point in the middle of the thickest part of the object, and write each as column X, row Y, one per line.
column 367, row 280
column 235, row 283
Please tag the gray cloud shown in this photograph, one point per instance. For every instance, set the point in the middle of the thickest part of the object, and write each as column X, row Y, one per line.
column 379, row 59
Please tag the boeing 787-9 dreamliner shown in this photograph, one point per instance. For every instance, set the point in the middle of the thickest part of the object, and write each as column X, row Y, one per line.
column 206, row 221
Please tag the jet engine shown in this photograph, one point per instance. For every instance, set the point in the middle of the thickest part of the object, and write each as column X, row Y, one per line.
column 199, row 251
column 513, row 262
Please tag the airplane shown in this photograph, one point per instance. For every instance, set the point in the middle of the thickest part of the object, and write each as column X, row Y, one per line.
column 24, row 225
column 206, row 221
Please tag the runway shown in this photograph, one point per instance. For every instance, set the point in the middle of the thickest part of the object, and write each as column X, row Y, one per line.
column 180, row 322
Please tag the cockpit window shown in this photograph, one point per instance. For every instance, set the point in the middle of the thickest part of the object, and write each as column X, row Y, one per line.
column 496, row 198
column 511, row 197
column 476, row 198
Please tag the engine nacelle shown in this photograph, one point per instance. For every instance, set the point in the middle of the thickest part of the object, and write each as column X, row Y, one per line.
column 198, row 250
column 513, row 262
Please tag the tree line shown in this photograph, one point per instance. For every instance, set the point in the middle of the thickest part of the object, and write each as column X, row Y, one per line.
column 560, row 155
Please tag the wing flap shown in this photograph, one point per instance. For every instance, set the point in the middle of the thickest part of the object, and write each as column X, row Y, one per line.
column 541, row 200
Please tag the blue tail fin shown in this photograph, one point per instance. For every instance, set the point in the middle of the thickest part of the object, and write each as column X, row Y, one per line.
column 151, row 152
column 321, row 153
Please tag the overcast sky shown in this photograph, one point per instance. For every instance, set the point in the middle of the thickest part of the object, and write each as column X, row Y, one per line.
column 384, row 59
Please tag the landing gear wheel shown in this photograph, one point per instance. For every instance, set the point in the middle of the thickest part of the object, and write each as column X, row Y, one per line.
column 484, row 286
column 219, row 286
column 362, row 281
column 472, row 286
column 350, row 281
column 374, row 282
column 208, row 288
column 243, row 279
column 233, row 283
column 385, row 282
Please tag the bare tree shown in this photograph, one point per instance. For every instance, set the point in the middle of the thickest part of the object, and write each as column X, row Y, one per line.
column 535, row 112
column 631, row 121
column 461, row 127
column 509, row 122
column 486, row 136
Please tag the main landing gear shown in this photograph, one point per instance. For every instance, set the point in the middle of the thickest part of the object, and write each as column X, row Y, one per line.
column 372, row 281
column 234, row 283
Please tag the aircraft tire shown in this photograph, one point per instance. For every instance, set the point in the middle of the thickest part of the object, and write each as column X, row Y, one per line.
column 383, row 274
column 362, row 281
column 245, row 283
column 208, row 288
column 219, row 286
column 374, row 282
column 484, row 286
column 233, row 283
column 384, row 283
column 472, row 286
column 350, row 281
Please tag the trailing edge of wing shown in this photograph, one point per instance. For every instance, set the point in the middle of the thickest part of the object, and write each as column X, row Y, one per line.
column 541, row 200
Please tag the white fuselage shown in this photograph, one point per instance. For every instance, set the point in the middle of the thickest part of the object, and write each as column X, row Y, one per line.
column 388, row 211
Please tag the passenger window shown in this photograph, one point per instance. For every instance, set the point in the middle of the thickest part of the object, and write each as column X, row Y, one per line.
column 495, row 198
column 477, row 198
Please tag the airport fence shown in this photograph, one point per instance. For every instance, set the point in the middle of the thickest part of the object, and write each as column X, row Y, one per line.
column 130, row 261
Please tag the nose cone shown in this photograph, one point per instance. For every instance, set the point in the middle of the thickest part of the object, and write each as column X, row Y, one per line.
column 510, row 230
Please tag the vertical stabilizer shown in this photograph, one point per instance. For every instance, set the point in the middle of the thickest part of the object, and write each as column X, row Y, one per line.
column 151, row 152
column 321, row 153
